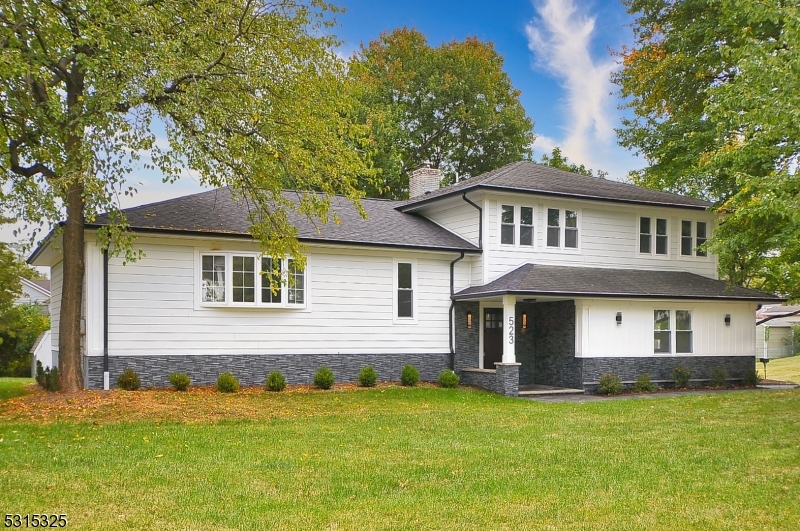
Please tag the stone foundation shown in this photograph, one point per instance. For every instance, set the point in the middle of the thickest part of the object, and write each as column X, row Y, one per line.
column 503, row 380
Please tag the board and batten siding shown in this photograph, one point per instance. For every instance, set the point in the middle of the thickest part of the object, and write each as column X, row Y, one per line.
column 153, row 308
column 598, row 335
column 608, row 237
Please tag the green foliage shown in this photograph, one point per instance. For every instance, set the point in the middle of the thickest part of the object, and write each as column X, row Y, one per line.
column 20, row 326
column 11, row 269
column 448, row 379
column 180, row 381
column 128, row 380
column 719, row 377
column 681, row 375
column 275, row 382
column 751, row 378
column 324, row 378
column 796, row 339
column 644, row 385
column 367, row 376
column 52, row 380
column 227, row 383
column 452, row 106
column 557, row 160
column 410, row 376
column 40, row 378
column 609, row 384
column 711, row 84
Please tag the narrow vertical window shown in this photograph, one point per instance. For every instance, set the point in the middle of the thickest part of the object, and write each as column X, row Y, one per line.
column 571, row 229
column 683, row 331
column 526, row 226
column 405, row 291
column 662, row 241
column 507, row 225
column 645, row 235
column 661, row 333
column 296, row 288
column 270, row 280
column 701, row 238
column 244, row 279
column 553, row 228
column 213, row 278
column 686, row 238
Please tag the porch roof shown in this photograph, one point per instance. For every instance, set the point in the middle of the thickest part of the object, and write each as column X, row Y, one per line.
column 546, row 280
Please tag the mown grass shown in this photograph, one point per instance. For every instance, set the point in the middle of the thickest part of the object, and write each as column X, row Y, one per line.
column 426, row 458
column 782, row 369
column 12, row 387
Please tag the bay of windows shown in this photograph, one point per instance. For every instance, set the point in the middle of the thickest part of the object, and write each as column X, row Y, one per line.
column 244, row 280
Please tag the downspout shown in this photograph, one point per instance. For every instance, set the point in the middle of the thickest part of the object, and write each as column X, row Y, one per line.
column 480, row 220
column 106, row 383
column 452, row 307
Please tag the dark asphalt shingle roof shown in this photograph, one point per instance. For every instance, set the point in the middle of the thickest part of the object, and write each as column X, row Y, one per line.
column 590, row 281
column 215, row 212
column 536, row 178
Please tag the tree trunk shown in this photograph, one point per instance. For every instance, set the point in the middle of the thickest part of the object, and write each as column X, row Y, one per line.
column 69, row 326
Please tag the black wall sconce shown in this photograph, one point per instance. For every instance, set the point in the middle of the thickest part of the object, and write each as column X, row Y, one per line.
column 469, row 319
column 727, row 319
column 619, row 318
column 524, row 320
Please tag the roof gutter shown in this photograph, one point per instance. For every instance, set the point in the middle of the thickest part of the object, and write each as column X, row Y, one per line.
column 452, row 308
column 484, row 294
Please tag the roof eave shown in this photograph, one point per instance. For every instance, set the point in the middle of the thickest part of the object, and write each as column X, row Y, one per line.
column 495, row 293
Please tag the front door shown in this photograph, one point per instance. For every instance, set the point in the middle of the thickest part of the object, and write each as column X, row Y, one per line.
column 492, row 337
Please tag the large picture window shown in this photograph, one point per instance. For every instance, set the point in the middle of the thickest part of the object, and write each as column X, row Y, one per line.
column 239, row 279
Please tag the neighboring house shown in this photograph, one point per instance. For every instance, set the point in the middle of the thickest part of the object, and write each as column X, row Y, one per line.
column 35, row 291
column 42, row 351
column 523, row 275
column 775, row 339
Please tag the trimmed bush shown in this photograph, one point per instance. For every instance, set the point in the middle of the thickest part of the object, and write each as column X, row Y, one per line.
column 644, row 385
column 681, row 376
column 128, row 380
column 180, row 381
column 410, row 376
column 609, row 384
column 448, row 379
column 751, row 378
column 227, row 383
column 367, row 377
column 40, row 374
column 275, row 382
column 324, row 378
column 719, row 377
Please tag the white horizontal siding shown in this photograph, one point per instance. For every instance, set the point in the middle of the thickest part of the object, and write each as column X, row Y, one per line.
column 600, row 336
column 56, row 283
column 350, row 306
column 456, row 215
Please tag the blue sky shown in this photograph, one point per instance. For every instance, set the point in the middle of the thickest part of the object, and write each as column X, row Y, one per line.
column 556, row 52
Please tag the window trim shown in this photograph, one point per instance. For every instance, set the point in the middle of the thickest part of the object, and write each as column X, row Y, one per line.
column 673, row 330
column 562, row 229
column 414, row 292
column 258, row 304
column 513, row 225
column 653, row 237
column 517, row 206
column 693, row 237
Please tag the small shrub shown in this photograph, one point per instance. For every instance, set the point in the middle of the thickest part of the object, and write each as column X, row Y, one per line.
column 410, row 376
column 324, row 378
column 719, row 377
column 750, row 378
column 644, row 385
column 227, row 383
column 40, row 374
column 180, row 381
column 681, row 376
column 128, row 380
column 367, row 377
column 609, row 384
column 275, row 382
column 48, row 379
column 448, row 379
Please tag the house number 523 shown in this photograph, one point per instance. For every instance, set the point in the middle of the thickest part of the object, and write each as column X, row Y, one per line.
column 510, row 330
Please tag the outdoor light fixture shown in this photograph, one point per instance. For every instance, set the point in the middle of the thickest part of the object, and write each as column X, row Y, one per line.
column 469, row 319
column 727, row 319
column 619, row 318
column 524, row 320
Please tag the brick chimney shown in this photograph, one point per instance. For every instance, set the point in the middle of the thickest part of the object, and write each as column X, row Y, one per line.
column 423, row 180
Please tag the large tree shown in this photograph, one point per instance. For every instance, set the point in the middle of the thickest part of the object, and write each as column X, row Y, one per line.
column 715, row 90
column 556, row 159
column 452, row 106
column 250, row 93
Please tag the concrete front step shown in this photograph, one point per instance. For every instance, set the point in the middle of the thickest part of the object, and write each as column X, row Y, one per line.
column 546, row 390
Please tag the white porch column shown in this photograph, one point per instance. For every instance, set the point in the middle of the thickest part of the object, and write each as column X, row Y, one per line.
column 509, row 328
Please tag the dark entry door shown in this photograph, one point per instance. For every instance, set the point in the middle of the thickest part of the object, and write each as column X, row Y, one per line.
column 492, row 337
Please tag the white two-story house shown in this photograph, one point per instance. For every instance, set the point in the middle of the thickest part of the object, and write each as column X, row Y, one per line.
column 524, row 275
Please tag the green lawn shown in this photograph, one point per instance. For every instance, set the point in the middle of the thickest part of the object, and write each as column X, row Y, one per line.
column 783, row 369
column 11, row 387
column 397, row 458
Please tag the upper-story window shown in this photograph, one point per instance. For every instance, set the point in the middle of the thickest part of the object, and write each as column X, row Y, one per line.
column 507, row 224
column 648, row 231
column 692, row 242
column 235, row 279
column 562, row 225
column 526, row 225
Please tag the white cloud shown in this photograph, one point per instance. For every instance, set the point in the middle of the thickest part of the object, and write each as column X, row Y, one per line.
column 560, row 39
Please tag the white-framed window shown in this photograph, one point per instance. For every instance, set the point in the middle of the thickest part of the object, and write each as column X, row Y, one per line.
column 507, row 224
column 516, row 225
column 243, row 279
column 404, row 291
column 663, row 330
column 701, row 237
column 653, row 236
column 526, row 225
column 562, row 226
column 683, row 332
column 692, row 241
